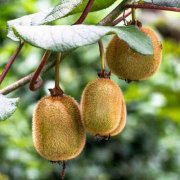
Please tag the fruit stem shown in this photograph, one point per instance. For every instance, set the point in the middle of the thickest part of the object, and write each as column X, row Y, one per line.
column 102, row 55
column 85, row 12
column 10, row 62
column 103, row 73
column 57, row 91
column 63, row 170
column 133, row 14
column 118, row 20
column 36, row 81
column 58, row 57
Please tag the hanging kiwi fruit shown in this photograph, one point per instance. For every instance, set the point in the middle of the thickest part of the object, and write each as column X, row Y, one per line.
column 102, row 104
column 130, row 65
column 58, row 131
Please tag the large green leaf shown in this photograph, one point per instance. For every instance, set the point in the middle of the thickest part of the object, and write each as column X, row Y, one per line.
column 7, row 106
column 64, row 8
column 64, row 38
column 168, row 3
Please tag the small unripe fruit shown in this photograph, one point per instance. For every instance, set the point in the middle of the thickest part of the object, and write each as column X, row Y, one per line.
column 122, row 122
column 101, row 105
column 58, row 132
column 130, row 65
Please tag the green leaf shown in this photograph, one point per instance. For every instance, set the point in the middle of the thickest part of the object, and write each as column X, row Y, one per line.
column 79, row 6
column 167, row 3
column 64, row 8
column 7, row 106
column 97, row 5
column 66, row 37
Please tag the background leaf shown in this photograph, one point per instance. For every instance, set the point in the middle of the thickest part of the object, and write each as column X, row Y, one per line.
column 7, row 106
column 168, row 3
column 98, row 5
column 64, row 38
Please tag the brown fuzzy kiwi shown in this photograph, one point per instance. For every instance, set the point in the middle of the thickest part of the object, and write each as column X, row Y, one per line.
column 130, row 65
column 58, row 132
column 101, row 105
column 122, row 122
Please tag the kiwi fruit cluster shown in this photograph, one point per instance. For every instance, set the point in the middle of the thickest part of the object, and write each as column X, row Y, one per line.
column 60, row 123
column 130, row 65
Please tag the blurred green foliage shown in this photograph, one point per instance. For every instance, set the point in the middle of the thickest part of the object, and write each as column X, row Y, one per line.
column 148, row 148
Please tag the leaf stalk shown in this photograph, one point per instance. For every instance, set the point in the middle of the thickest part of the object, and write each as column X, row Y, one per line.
column 10, row 62
column 36, row 81
column 85, row 12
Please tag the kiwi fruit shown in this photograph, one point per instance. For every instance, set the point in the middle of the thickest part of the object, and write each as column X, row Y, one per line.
column 58, row 132
column 101, row 106
column 130, row 65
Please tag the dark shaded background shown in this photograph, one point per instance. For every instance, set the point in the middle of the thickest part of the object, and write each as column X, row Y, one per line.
column 148, row 148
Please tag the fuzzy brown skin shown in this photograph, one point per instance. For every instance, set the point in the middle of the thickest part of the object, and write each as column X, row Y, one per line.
column 58, row 132
column 101, row 105
column 130, row 65
column 122, row 122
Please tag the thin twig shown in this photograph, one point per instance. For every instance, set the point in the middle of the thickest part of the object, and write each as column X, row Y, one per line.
column 25, row 80
column 118, row 20
column 10, row 62
column 58, row 58
column 152, row 6
column 106, row 21
column 36, row 83
column 63, row 170
column 114, row 14
column 85, row 12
